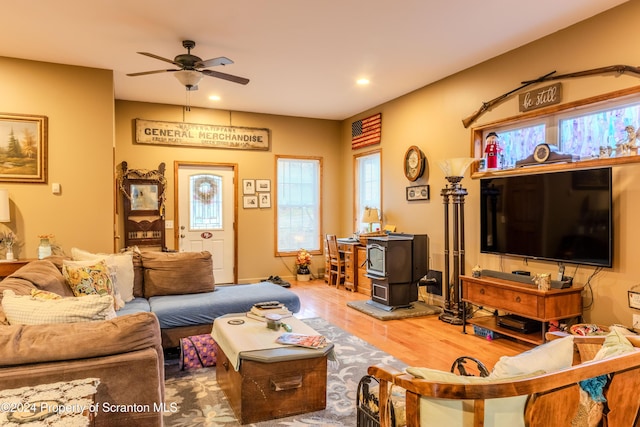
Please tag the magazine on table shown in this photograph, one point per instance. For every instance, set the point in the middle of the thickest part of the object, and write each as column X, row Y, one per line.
column 302, row 340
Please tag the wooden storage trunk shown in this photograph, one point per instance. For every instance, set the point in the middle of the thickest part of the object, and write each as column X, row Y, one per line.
column 272, row 385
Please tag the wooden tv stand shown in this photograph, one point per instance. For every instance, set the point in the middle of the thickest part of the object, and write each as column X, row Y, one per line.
column 521, row 299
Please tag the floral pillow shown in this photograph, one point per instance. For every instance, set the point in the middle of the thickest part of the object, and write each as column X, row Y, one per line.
column 121, row 264
column 89, row 279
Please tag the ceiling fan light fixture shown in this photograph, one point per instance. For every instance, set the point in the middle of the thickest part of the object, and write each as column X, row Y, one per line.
column 188, row 78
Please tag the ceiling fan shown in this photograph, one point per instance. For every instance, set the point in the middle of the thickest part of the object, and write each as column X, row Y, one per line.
column 192, row 68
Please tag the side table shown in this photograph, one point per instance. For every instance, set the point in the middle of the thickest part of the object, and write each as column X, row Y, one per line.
column 9, row 267
column 520, row 299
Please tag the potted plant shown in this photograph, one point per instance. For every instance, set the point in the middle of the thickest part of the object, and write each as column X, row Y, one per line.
column 303, row 260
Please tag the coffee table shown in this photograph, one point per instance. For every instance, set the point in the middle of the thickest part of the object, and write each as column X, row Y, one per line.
column 262, row 379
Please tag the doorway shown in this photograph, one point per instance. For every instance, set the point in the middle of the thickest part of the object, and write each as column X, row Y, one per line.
column 206, row 214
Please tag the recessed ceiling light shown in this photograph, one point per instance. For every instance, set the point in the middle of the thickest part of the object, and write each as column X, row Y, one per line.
column 214, row 98
column 363, row 81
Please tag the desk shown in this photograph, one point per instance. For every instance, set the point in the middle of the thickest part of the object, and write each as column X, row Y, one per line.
column 520, row 299
column 355, row 266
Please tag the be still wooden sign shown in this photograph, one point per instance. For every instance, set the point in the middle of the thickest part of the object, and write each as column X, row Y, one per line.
column 542, row 97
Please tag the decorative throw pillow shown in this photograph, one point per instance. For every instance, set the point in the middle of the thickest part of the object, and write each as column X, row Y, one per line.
column 120, row 263
column 44, row 295
column 90, row 278
column 177, row 273
column 27, row 310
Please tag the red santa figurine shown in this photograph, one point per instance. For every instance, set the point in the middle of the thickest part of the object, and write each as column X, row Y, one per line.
column 492, row 149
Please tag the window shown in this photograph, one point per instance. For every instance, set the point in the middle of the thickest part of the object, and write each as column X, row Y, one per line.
column 518, row 143
column 584, row 134
column 299, row 196
column 368, row 187
column 583, row 130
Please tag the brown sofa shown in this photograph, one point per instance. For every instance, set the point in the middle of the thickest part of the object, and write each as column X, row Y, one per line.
column 125, row 353
column 174, row 297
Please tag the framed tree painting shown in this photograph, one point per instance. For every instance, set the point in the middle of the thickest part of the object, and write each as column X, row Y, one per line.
column 24, row 154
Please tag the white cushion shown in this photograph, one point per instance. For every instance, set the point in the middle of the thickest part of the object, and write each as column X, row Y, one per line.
column 29, row 310
column 549, row 357
column 121, row 264
column 502, row 412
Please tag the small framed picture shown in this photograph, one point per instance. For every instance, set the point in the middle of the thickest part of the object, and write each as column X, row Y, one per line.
column 263, row 185
column 634, row 299
column 264, row 200
column 248, row 186
column 418, row 192
column 250, row 202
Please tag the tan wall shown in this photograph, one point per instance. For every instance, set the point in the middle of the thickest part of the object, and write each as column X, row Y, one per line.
column 82, row 116
column 431, row 119
column 289, row 135
column 79, row 105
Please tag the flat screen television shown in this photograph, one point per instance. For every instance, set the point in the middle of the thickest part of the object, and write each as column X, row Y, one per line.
column 559, row 216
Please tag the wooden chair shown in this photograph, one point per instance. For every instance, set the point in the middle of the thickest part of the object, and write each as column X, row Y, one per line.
column 552, row 399
column 336, row 262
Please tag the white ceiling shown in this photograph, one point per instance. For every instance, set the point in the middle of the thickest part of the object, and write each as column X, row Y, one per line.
column 302, row 57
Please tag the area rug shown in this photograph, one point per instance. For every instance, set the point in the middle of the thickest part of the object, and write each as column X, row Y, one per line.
column 417, row 309
column 193, row 398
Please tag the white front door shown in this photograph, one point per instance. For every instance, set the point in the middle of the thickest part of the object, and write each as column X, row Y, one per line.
column 206, row 214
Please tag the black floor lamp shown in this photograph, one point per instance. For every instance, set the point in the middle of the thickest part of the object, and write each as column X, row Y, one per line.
column 453, row 194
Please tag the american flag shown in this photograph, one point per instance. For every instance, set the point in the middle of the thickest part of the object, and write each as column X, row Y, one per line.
column 366, row 131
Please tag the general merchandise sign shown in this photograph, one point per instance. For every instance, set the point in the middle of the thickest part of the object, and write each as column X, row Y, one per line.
column 202, row 135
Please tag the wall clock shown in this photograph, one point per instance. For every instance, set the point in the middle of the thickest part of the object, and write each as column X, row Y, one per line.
column 545, row 153
column 414, row 162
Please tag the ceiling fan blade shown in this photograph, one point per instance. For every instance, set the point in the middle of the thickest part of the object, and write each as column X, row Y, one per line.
column 224, row 76
column 151, row 55
column 222, row 60
column 144, row 73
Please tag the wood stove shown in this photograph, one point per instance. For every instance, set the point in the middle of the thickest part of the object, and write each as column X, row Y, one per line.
column 395, row 264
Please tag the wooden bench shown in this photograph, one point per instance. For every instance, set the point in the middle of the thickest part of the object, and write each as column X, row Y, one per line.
column 553, row 398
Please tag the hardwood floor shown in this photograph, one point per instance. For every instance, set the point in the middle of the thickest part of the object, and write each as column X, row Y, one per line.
column 423, row 341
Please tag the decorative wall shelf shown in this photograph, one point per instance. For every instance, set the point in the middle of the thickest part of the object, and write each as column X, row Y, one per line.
column 477, row 150
column 555, row 167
